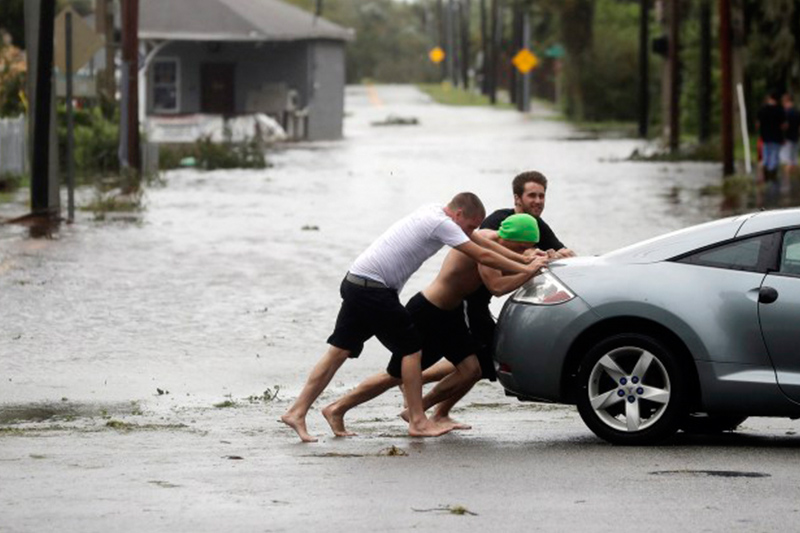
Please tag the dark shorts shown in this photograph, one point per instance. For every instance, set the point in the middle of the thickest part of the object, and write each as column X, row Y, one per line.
column 368, row 312
column 482, row 326
column 444, row 334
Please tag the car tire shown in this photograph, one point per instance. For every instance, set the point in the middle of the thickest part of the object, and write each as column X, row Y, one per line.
column 703, row 423
column 632, row 389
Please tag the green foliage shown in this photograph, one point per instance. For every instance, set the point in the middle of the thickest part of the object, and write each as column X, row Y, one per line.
column 12, row 19
column 392, row 38
column 10, row 181
column 445, row 93
column 11, row 85
column 96, row 141
column 210, row 155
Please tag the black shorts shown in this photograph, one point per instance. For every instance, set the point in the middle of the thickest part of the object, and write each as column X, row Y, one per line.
column 368, row 312
column 482, row 326
column 444, row 334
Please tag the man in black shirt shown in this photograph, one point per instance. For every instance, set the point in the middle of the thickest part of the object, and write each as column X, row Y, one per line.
column 771, row 124
column 792, row 134
column 529, row 196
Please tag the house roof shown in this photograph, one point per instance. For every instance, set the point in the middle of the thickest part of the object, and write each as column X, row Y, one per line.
column 233, row 20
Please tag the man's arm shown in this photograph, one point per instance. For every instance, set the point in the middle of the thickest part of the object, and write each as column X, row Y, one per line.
column 565, row 252
column 498, row 284
column 480, row 237
column 487, row 257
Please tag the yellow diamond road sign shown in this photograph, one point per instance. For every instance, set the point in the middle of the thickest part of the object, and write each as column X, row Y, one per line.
column 525, row 61
column 85, row 42
column 436, row 55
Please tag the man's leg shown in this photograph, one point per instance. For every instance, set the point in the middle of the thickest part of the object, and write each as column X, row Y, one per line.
column 368, row 389
column 435, row 373
column 418, row 423
column 321, row 375
column 438, row 372
column 451, row 389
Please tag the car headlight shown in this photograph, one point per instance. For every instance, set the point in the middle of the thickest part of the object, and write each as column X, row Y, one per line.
column 543, row 289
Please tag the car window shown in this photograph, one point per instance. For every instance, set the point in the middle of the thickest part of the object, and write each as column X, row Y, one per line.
column 740, row 255
column 790, row 253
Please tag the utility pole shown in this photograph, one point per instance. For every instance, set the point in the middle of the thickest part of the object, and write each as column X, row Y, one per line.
column 484, row 49
column 525, row 86
column 494, row 51
column 705, row 71
column 442, row 37
column 130, row 81
column 466, row 12
column 104, row 25
column 451, row 56
column 43, row 201
column 674, row 75
column 727, row 86
column 644, row 67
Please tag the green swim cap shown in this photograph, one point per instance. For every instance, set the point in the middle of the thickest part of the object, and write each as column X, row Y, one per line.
column 520, row 227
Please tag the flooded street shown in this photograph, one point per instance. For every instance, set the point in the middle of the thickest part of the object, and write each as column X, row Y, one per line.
column 145, row 359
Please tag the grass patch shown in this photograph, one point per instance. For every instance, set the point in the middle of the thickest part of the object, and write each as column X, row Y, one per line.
column 267, row 396
column 606, row 127
column 393, row 451
column 119, row 424
column 227, row 404
column 445, row 93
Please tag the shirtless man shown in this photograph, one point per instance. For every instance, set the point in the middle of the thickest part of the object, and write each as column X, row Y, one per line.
column 529, row 189
column 371, row 306
column 438, row 315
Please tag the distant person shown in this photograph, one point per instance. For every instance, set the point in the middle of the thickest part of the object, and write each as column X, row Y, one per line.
column 791, row 134
column 371, row 306
column 438, row 316
column 770, row 124
column 529, row 189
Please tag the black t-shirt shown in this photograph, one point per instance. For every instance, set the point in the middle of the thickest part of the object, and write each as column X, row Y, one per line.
column 547, row 239
column 480, row 319
column 770, row 119
column 793, row 125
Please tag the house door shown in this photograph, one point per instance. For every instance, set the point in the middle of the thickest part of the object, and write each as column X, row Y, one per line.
column 217, row 89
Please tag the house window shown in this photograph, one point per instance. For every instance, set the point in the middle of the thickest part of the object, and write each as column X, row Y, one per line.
column 166, row 85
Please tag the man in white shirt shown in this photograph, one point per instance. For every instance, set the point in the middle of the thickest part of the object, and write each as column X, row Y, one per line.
column 371, row 304
column 438, row 316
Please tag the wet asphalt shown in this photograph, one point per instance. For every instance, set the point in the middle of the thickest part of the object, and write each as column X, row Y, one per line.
column 144, row 359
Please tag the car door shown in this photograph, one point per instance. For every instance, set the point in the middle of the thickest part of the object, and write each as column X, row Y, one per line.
column 779, row 313
column 723, row 287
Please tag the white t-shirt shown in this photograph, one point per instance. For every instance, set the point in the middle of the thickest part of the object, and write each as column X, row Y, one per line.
column 408, row 243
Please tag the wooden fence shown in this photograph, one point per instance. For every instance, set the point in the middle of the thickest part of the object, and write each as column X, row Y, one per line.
column 13, row 146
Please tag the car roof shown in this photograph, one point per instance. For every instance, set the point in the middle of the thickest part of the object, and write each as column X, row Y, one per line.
column 768, row 220
column 679, row 242
column 683, row 241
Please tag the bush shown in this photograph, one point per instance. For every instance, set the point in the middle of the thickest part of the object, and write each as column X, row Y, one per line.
column 210, row 155
column 96, row 141
column 10, row 181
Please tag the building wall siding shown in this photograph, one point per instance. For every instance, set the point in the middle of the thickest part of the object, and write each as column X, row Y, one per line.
column 314, row 69
column 326, row 109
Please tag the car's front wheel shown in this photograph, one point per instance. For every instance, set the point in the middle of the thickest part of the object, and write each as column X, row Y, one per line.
column 632, row 390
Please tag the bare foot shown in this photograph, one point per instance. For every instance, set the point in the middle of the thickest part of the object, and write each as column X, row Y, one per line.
column 404, row 415
column 299, row 425
column 336, row 421
column 428, row 428
column 449, row 421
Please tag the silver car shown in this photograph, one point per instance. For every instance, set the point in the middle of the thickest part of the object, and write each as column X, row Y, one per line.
column 695, row 330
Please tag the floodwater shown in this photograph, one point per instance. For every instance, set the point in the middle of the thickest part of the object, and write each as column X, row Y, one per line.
column 122, row 339
column 225, row 283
